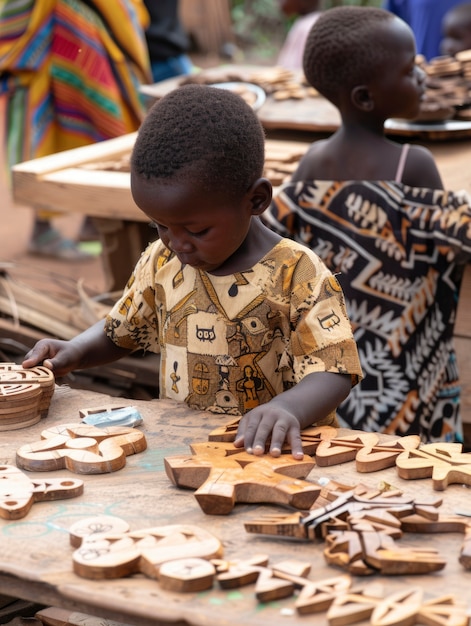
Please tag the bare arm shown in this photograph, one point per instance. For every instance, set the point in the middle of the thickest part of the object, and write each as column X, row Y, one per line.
column 283, row 418
column 89, row 349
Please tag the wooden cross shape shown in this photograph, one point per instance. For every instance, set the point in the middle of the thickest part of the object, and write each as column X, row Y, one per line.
column 223, row 475
column 18, row 493
column 445, row 463
column 81, row 448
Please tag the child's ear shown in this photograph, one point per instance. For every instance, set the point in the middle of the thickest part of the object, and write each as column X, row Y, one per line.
column 361, row 98
column 260, row 195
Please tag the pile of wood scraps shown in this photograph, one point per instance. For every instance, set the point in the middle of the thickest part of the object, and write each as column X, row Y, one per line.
column 62, row 314
column 447, row 87
column 279, row 82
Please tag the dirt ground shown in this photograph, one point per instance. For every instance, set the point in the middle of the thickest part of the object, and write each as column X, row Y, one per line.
column 15, row 232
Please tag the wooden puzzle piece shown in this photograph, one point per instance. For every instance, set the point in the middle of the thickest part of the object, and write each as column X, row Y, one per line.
column 241, row 572
column 316, row 597
column 109, row 554
column 18, row 493
column 81, row 448
column 369, row 551
column 445, row 463
column 369, row 455
column 407, row 608
column 185, row 575
column 355, row 606
column 223, row 475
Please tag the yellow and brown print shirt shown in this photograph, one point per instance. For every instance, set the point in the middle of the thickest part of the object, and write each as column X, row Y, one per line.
column 230, row 343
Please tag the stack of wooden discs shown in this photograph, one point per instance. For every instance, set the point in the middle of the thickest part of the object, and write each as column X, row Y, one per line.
column 25, row 395
column 447, row 88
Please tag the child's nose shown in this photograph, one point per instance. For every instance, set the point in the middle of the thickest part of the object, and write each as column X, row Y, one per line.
column 180, row 243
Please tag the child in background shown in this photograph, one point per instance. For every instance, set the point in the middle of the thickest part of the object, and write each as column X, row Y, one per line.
column 425, row 18
column 376, row 213
column 307, row 12
column 247, row 323
column 456, row 27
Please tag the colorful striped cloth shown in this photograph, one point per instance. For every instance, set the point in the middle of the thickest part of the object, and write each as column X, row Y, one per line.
column 71, row 70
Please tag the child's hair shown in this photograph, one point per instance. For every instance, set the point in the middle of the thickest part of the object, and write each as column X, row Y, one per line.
column 201, row 133
column 344, row 49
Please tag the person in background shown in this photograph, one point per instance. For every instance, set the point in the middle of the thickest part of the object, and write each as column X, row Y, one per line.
column 306, row 12
column 167, row 41
column 247, row 323
column 425, row 18
column 456, row 30
column 375, row 211
column 70, row 71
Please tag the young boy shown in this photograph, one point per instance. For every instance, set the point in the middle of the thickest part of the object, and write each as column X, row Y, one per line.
column 456, row 29
column 247, row 323
column 377, row 216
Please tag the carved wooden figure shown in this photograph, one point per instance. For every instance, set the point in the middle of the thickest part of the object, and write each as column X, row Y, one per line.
column 18, row 493
column 81, row 448
column 223, row 475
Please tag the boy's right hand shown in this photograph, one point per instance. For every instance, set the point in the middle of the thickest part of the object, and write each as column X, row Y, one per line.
column 59, row 356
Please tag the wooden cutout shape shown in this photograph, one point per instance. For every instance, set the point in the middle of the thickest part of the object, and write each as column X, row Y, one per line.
column 406, row 608
column 365, row 449
column 18, row 493
column 14, row 374
column 223, row 475
column 99, row 525
column 185, row 575
column 316, row 597
column 355, row 606
column 443, row 462
column 234, row 574
column 399, row 609
column 106, row 555
column 81, row 448
column 369, row 552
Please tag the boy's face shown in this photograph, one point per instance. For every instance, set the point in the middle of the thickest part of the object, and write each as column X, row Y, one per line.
column 400, row 84
column 204, row 229
column 456, row 33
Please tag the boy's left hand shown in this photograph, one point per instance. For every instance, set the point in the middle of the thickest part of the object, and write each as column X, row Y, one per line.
column 273, row 424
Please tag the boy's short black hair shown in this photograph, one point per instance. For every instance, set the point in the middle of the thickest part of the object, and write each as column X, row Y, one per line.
column 343, row 49
column 204, row 134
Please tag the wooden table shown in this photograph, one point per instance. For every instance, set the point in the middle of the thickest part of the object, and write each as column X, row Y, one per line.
column 35, row 554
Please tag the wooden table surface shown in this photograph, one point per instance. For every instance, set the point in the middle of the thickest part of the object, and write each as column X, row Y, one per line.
column 36, row 557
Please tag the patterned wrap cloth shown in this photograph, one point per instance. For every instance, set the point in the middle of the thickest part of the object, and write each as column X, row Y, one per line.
column 230, row 343
column 71, row 70
column 399, row 253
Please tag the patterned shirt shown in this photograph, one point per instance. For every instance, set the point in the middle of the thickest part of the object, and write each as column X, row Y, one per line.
column 400, row 254
column 230, row 343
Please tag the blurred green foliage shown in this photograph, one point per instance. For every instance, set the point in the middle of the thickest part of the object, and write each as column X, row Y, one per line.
column 260, row 27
